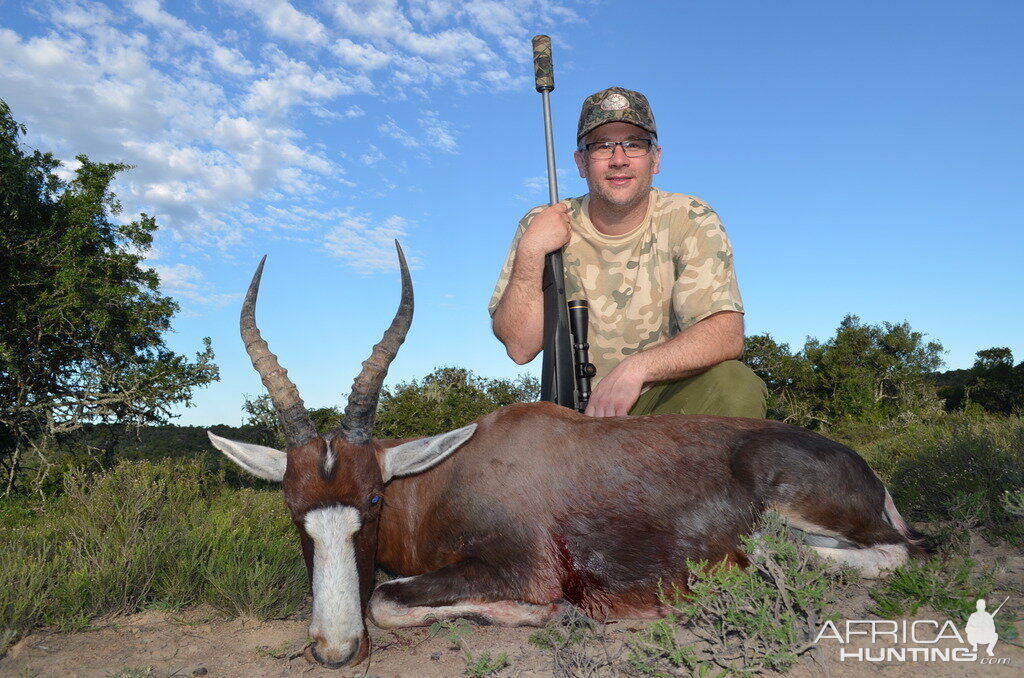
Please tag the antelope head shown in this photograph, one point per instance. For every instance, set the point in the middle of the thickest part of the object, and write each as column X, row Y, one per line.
column 334, row 484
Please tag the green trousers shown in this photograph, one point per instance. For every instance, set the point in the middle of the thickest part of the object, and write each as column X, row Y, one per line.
column 729, row 389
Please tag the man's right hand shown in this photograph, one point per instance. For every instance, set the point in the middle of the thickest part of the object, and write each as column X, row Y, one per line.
column 549, row 230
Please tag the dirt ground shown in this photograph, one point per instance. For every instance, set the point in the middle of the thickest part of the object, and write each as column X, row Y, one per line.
column 197, row 643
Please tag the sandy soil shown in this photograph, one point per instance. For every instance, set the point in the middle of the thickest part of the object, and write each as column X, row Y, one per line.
column 197, row 643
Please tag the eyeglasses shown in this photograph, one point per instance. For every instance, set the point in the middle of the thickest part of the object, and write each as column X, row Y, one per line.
column 633, row 148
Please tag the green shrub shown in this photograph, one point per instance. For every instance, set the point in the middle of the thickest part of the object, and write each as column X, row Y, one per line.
column 948, row 587
column 452, row 629
column 28, row 568
column 249, row 556
column 145, row 534
column 483, row 664
column 575, row 647
column 751, row 620
column 958, row 473
column 122, row 528
column 446, row 399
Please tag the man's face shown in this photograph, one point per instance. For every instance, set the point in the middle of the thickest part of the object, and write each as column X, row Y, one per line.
column 619, row 180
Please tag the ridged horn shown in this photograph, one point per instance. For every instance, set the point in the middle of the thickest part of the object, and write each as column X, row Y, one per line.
column 361, row 409
column 295, row 420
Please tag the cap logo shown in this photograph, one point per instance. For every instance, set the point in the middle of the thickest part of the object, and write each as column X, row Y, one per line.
column 614, row 102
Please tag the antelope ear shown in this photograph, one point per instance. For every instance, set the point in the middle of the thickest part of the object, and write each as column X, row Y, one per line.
column 262, row 462
column 419, row 455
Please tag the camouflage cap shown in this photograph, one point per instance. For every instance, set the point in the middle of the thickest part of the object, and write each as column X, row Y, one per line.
column 615, row 104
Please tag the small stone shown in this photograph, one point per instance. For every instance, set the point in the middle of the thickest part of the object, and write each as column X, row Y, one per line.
column 201, row 671
column 436, row 657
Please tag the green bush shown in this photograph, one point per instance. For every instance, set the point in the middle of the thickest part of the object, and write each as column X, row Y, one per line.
column 751, row 620
column 446, row 399
column 249, row 556
column 576, row 645
column 957, row 473
column 28, row 569
column 950, row 588
column 122, row 528
column 483, row 664
column 146, row 534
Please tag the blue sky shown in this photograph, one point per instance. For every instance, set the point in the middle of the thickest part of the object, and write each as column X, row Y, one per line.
column 865, row 158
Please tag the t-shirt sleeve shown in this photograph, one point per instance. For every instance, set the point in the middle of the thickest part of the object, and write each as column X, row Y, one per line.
column 705, row 277
column 506, row 269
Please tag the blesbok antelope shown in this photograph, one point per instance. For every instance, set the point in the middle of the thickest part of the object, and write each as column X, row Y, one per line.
column 534, row 504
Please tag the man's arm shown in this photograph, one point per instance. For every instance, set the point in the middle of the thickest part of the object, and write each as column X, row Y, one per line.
column 518, row 320
column 697, row 348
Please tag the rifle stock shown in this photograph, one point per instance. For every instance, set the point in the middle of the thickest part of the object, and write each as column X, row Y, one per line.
column 557, row 382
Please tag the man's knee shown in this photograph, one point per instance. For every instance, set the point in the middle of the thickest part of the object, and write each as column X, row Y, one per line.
column 729, row 389
column 733, row 390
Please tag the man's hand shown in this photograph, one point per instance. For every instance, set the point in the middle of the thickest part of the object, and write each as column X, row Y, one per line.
column 549, row 230
column 616, row 393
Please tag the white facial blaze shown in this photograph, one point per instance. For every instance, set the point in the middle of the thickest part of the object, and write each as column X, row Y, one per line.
column 337, row 616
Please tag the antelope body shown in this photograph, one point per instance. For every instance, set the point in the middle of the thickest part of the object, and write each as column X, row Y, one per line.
column 535, row 504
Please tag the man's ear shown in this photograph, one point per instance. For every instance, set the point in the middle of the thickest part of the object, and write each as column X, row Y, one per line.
column 419, row 455
column 262, row 462
column 581, row 163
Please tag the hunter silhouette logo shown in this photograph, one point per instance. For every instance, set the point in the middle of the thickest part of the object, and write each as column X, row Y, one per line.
column 981, row 627
column 921, row 640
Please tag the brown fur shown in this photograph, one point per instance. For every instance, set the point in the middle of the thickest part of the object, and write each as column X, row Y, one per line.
column 544, row 504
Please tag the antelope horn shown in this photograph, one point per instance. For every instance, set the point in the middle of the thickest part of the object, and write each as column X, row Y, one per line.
column 295, row 420
column 362, row 402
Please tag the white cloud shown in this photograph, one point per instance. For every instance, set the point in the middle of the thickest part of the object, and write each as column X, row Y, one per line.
column 372, row 157
column 215, row 120
column 293, row 82
column 231, row 61
column 536, row 189
column 438, row 133
column 185, row 281
column 379, row 19
column 366, row 247
column 363, row 57
column 390, row 128
column 429, row 13
column 282, row 20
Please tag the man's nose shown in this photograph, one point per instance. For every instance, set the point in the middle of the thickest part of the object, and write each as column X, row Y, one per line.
column 619, row 157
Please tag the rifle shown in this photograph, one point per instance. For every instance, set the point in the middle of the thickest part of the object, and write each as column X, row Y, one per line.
column 566, row 369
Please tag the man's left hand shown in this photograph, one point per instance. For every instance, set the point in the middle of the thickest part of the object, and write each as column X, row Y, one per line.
column 616, row 393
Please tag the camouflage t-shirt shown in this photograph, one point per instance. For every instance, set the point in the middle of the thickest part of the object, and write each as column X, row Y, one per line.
column 643, row 287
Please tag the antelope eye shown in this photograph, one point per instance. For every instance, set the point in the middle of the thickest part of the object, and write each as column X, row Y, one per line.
column 374, row 500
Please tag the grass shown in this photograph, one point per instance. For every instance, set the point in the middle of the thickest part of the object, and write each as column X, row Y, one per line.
column 146, row 535
column 455, row 630
column 172, row 534
column 477, row 663
column 950, row 587
column 962, row 474
column 483, row 664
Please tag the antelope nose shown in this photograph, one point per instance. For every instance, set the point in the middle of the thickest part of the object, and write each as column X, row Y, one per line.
column 332, row 658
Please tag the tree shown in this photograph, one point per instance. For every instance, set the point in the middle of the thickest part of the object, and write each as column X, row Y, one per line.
column 864, row 373
column 994, row 384
column 787, row 377
column 266, row 427
column 445, row 399
column 81, row 320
